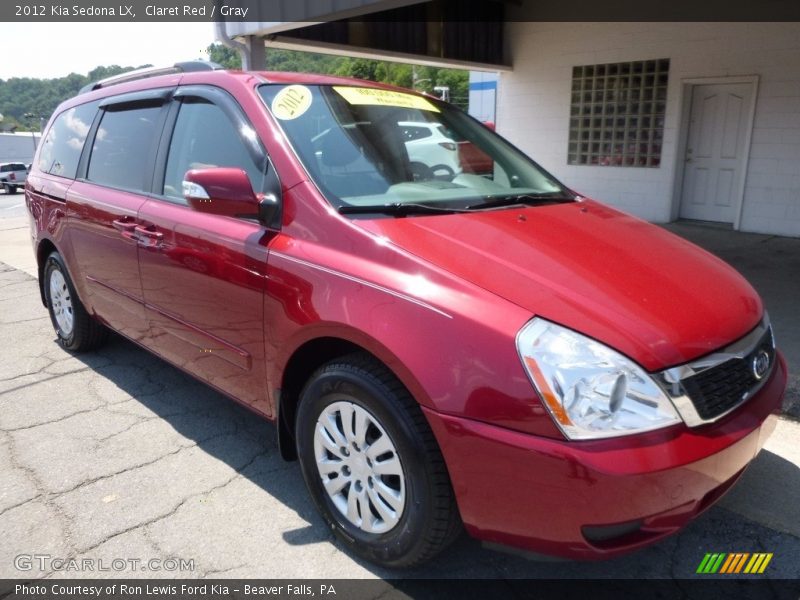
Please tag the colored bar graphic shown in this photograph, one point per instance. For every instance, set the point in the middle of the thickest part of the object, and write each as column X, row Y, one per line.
column 758, row 563
column 731, row 560
column 741, row 562
column 727, row 564
column 703, row 563
column 735, row 562
column 716, row 565
column 711, row 563
column 765, row 563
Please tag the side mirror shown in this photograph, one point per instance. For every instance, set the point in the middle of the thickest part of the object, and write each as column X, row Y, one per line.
column 489, row 125
column 222, row 191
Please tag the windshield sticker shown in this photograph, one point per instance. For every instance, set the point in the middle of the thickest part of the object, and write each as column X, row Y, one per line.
column 357, row 95
column 291, row 102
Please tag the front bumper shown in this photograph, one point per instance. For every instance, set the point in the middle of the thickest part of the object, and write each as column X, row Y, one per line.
column 598, row 499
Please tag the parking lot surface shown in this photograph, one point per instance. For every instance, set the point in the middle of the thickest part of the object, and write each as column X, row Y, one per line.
column 118, row 455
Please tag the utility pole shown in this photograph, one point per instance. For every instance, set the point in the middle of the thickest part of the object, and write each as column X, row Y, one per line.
column 414, row 80
column 30, row 117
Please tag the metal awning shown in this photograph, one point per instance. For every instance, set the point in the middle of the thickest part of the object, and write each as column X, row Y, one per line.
column 442, row 33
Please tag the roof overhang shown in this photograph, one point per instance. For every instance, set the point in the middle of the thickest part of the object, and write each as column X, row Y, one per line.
column 298, row 15
column 439, row 33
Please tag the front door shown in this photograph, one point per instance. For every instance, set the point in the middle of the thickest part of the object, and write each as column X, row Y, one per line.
column 715, row 151
column 204, row 275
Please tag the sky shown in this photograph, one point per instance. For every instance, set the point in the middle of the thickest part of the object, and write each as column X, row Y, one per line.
column 49, row 50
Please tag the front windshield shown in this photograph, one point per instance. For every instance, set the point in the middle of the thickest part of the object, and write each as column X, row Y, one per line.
column 369, row 147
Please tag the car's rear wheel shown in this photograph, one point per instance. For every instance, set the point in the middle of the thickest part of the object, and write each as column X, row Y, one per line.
column 442, row 172
column 372, row 464
column 75, row 327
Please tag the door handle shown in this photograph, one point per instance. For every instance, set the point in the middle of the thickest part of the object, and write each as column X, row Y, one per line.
column 125, row 224
column 148, row 237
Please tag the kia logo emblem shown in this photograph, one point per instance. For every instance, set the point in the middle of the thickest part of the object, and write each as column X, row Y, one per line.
column 760, row 365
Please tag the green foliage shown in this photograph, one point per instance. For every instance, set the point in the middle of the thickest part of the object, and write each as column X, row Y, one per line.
column 399, row 74
column 40, row 97
column 224, row 56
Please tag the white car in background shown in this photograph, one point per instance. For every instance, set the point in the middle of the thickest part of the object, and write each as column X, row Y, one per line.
column 12, row 176
column 427, row 144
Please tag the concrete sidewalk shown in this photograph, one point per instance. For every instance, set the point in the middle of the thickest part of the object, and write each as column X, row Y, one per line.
column 15, row 239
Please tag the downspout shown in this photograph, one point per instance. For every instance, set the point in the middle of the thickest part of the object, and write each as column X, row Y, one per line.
column 242, row 49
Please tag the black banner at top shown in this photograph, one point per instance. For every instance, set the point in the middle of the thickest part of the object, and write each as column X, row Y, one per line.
column 277, row 11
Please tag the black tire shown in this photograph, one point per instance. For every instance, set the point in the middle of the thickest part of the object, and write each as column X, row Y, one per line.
column 86, row 333
column 429, row 521
column 420, row 171
column 442, row 173
column 12, row 189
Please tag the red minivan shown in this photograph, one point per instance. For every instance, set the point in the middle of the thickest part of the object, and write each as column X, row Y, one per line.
column 438, row 349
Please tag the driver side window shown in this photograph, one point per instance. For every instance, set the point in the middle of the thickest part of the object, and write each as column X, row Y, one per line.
column 204, row 137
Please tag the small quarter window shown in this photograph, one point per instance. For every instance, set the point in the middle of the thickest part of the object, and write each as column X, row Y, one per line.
column 415, row 133
column 61, row 149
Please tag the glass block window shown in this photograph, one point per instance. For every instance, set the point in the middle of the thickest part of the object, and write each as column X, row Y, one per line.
column 617, row 114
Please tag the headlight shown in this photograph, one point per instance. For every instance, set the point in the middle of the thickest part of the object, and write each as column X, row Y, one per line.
column 590, row 390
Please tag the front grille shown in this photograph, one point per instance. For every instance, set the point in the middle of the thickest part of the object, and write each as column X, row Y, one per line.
column 718, row 389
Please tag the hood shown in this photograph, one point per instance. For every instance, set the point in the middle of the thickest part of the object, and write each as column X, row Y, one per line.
column 649, row 294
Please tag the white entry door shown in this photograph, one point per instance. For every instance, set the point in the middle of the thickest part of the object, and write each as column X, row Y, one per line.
column 715, row 151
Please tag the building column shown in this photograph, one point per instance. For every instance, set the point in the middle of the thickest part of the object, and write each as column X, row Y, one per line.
column 254, row 57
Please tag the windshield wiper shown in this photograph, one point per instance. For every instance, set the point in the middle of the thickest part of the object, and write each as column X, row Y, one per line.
column 398, row 209
column 518, row 199
column 401, row 209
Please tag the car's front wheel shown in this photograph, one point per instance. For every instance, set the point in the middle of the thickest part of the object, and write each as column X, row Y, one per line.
column 75, row 327
column 372, row 464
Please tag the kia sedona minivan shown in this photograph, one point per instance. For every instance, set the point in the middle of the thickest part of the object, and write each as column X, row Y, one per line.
column 442, row 349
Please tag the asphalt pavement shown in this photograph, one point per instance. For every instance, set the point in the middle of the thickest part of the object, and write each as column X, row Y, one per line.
column 117, row 456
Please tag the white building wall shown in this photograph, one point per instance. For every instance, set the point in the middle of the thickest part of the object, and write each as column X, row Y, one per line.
column 18, row 147
column 533, row 107
column 482, row 95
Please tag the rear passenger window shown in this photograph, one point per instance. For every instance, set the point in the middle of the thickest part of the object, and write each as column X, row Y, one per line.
column 123, row 148
column 61, row 148
column 415, row 133
column 204, row 137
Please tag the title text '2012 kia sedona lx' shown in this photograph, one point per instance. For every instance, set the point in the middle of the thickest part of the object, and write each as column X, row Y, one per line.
column 440, row 348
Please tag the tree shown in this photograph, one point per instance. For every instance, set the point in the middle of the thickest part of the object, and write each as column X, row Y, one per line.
column 393, row 73
column 40, row 97
column 224, row 56
column 24, row 95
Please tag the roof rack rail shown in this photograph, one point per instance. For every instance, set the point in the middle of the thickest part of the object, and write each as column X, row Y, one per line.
column 188, row 66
